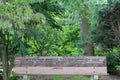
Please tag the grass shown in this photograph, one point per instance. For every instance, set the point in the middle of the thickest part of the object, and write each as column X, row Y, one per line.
column 80, row 78
column 71, row 78
column 59, row 77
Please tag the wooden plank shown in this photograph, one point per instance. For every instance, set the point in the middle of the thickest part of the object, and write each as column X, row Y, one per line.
column 61, row 61
column 60, row 65
column 60, row 70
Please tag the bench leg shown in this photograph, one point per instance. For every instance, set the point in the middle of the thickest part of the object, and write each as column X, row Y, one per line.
column 25, row 77
column 94, row 77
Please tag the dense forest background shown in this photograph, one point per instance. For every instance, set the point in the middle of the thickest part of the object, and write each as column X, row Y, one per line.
column 59, row 28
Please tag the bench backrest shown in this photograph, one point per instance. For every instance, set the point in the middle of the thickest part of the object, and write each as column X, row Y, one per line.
column 60, row 65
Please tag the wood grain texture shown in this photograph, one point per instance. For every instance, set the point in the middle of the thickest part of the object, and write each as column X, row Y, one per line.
column 60, row 65
column 61, row 61
column 60, row 71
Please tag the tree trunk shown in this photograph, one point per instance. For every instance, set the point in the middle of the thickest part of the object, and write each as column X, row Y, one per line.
column 4, row 54
column 4, row 58
column 88, row 47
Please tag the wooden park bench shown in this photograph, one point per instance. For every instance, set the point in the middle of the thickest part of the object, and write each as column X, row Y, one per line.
column 84, row 65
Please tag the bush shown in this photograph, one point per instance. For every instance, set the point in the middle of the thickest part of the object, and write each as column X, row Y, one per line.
column 106, row 32
column 13, row 77
column 112, row 63
column 112, row 59
column 1, row 75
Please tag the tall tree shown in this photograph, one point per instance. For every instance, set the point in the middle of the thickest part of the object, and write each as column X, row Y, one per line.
column 84, row 10
column 79, row 11
column 20, row 26
column 106, row 32
column 12, row 21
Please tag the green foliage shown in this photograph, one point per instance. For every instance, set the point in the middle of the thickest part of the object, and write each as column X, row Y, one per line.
column 112, row 58
column 49, row 9
column 32, row 27
column 28, row 32
column 106, row 31
column 112, row 63
column 14, row 77
column 13, row 17
column 46, row 41
column 1, row 75
column 27, row 21
column 69, row 41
